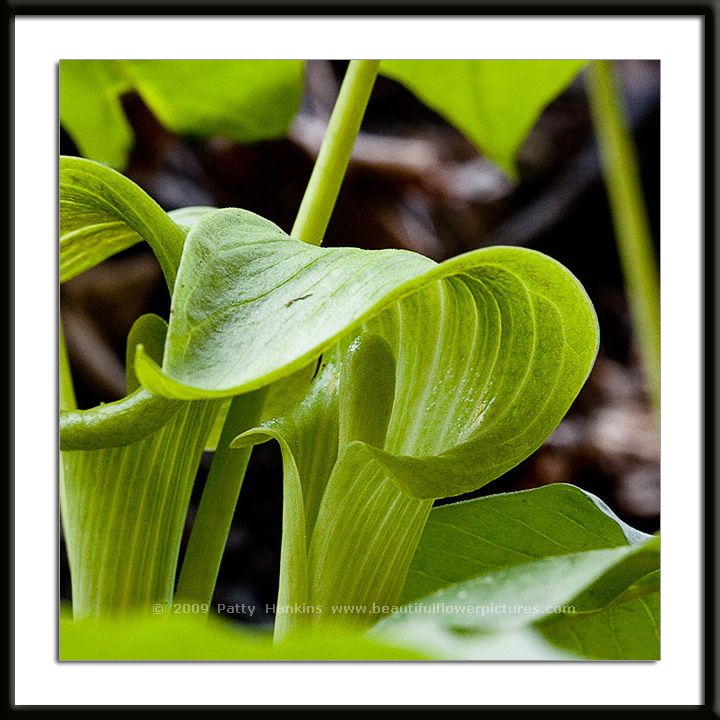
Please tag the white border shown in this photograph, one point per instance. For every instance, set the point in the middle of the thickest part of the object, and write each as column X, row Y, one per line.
column 39, row 679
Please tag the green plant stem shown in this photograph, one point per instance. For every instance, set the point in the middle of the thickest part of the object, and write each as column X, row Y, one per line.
column 622, row 179
column 66, row 389
column 66, row 401
column 211, row 526
column 332, row 161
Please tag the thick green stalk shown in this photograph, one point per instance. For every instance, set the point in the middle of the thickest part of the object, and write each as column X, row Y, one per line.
column 332, row 161
column 212, row 522
column 215, row 513
column 622, row 179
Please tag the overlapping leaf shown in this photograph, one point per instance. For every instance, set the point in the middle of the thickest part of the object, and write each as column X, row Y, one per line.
column 102, row 213
column 347, row 537
column 485, row 353
column 626, row 628
column 601, row 604
column 491, row 347
column 547, row 538
column 467, row 539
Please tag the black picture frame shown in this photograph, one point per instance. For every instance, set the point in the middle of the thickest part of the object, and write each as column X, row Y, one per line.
column 709, row 11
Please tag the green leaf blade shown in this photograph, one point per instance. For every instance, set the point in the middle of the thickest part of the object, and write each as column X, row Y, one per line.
column 261, row 273
column 509, row 326
column 494, row 103
column 467, row 539
column 242, row 100
column 91, row 112
column 627, row 628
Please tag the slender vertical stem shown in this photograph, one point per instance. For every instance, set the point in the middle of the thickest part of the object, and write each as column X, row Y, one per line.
column 211, row 526
column 622, row 179
column 66, row 390
column 214, row 517
column 332, row 161
column 66, row 401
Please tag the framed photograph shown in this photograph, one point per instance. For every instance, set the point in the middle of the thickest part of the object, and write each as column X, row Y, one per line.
column 358, row 359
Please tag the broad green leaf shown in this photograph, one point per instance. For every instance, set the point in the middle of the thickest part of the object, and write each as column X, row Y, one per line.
column 225, row 311
column 552, row 596
column 102, row 213
column 510, row 327
column 124, row 507
column 494, row 103
column 243, row 100
column 190, row 637
column 91, row 112
column 467, row 539
column 518, row 595
column 447, row 375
